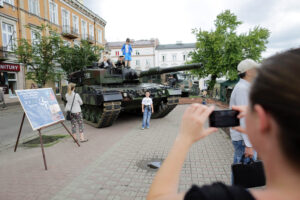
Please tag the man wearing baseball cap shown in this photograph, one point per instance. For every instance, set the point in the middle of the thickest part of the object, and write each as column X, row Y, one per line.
column 239, row 96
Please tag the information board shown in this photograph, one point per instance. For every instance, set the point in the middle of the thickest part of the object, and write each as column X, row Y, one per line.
column 40, row 106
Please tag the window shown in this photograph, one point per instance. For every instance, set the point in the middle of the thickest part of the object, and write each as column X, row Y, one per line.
column 75, row 24
column 8, row 32
column 99, row 36
column 11, row 76
column 83, row 29
column 184, row 57
column 137, row 63
column 147, row 62
column 163, row 58
column 137, row 52
column 12, row 82
column 34, row 7
column 57, row 87
column 9, row 2
column 91, row 31
column 34, row 37
column 65, row 18
column 53, row 12
column 174, row 57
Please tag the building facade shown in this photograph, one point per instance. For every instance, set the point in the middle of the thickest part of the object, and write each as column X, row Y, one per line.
column 167, row 55
column 69, row 18
column 143, row 53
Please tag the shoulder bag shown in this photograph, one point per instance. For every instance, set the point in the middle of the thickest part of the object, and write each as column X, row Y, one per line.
column 249, row 174
column 69, row 114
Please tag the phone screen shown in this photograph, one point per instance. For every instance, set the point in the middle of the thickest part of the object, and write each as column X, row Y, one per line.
column 224, row 118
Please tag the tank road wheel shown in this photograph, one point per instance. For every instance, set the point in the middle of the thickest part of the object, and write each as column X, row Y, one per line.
column 105, row 115
column 165, row 107
column 84, row 111
column 88, row 113
column 93, row 115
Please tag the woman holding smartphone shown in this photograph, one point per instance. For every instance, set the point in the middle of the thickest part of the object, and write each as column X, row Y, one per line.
column 272, row 124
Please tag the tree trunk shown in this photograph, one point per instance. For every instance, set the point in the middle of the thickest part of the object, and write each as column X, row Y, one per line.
column 211, row 85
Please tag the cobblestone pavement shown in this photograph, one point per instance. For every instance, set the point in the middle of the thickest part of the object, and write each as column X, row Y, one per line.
column 113, row 164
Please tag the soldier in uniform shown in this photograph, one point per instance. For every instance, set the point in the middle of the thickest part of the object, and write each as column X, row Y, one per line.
column 171, row 81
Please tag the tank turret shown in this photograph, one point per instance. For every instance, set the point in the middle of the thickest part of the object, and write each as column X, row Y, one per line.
column 108, row 91
column 107, row 76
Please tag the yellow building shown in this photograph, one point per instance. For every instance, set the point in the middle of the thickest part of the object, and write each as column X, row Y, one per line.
column 70, row 18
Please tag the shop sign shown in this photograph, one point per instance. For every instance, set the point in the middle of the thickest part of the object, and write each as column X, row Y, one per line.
column 9, row 67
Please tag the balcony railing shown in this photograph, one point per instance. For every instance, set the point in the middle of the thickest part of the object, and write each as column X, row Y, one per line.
column 69, row 32
column 6, row 53
column 84, row 36
column 91, row 38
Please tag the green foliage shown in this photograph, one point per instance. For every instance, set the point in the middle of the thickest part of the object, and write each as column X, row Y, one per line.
column 40, row 54
column 221, row 50
column 47, row 53
column 78, row 57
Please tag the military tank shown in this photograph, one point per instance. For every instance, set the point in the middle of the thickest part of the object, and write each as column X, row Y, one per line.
column 107, row 92
column 181, row 80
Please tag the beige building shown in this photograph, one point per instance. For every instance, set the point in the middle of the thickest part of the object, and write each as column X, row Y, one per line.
column 70, row 18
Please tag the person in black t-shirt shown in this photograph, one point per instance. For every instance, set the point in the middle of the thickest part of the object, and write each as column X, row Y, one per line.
column 106, row 63
column 272, row 125
column 120, row 63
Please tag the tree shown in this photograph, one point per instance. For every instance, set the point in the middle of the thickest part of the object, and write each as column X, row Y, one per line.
column 221, row 50
column 78, row 57
column 40, row 55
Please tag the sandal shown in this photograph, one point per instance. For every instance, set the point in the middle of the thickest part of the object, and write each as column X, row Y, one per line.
column 85, row 140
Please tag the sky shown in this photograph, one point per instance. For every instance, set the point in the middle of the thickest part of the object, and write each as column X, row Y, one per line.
column 173, row 20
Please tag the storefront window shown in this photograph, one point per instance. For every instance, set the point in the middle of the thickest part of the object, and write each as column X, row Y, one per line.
column 11, row 76
column 57, row 87
column 12, row 82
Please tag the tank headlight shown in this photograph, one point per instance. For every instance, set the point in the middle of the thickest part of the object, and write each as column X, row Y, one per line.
column 125, row 94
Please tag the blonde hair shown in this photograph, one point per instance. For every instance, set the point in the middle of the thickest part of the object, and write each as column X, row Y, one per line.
column 71, row 87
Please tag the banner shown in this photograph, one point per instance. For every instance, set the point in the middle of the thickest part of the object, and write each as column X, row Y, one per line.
column 9, row 67
column 40, row 106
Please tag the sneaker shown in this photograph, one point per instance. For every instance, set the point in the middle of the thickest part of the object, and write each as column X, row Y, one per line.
column 143, row 128
column 147, row 127
column 85, row 140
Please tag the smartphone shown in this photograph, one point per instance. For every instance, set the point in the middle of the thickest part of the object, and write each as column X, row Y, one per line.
column 224, row 118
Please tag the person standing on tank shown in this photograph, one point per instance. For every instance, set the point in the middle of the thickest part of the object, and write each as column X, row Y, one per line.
column 127, row 50
column 147, row 109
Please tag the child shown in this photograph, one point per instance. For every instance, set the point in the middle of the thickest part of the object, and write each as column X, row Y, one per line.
column 147, row 109
column 126, row 49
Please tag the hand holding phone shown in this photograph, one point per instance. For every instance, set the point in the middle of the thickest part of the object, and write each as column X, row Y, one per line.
column 224, row 118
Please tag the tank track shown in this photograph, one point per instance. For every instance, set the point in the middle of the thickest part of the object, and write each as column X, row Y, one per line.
column 165, row 108
column 103, row 116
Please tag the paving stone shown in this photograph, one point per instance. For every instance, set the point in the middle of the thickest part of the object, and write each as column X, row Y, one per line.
column 115, row 173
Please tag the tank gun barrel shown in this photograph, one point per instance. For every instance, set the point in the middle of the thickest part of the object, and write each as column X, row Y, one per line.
column 159, row 70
